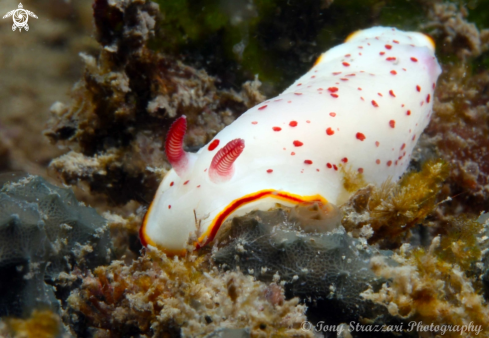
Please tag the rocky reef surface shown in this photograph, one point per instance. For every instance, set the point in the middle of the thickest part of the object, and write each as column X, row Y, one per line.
column 415, row 250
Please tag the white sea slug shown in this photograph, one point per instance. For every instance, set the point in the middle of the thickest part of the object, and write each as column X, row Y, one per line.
column 363, row 104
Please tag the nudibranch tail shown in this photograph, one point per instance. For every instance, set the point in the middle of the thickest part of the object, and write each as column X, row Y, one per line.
column 221, row 168
column 177, row 157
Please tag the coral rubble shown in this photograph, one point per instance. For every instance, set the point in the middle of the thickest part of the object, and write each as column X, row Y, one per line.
column 158, row 296
column 128, row 97
column 44, row 230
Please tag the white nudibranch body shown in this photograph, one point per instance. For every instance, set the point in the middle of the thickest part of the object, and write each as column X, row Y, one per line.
column 364, row 105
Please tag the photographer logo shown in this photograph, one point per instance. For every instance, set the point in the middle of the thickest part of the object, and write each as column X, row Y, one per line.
column 20, row 17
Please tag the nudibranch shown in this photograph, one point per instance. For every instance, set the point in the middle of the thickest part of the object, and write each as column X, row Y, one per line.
column 363, row 105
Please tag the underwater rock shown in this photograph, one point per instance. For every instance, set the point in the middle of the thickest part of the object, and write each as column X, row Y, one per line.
column 330, row 265
column 126, row 101
column 44, row 231
column 155, row 296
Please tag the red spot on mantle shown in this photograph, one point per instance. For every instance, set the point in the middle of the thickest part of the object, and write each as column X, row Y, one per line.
column 374, row 104
column 388, row 46
column 414, row 59
column 418, row 88
column 298, row 143
column 262, row 107
column 213, row 145
column 344, row 160
column 329, row 131
column 332, row 89
column 391, row 58
column 307, row 161
column 293, row 123
column 408, row 113
column 269, row 171
column 360, row 136
column 377, row 143
column 391, row 92
column 277, row 129
column 334, row 95
column 346, row 64
column 332, row 114
column 171, row 184
column 185, row 183
column 389, row 163
column 428, row 98
column 254, row 122
column 392, row 123
column 329, row 165
column 360, row 170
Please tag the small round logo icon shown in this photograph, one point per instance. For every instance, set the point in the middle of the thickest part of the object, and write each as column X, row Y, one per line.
column 20, row 17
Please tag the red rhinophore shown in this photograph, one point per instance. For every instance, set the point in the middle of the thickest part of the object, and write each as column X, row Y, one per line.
column 360, row 136
column 392, row 123
column 344, row 160
column 333, row 89
column 414, row 59
column 346, row 64
column 269, row 171
column 222, row 164
column 213, row 145
column 329, row 131
column 393, row 72
column 307, row 161
column 277, row 129
column 293, row 123
column 262, row 107
column 418, row 88
column 388, row 46
column 174, row 145
column 374, row 104
column 297, row 143
column 391, row 92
